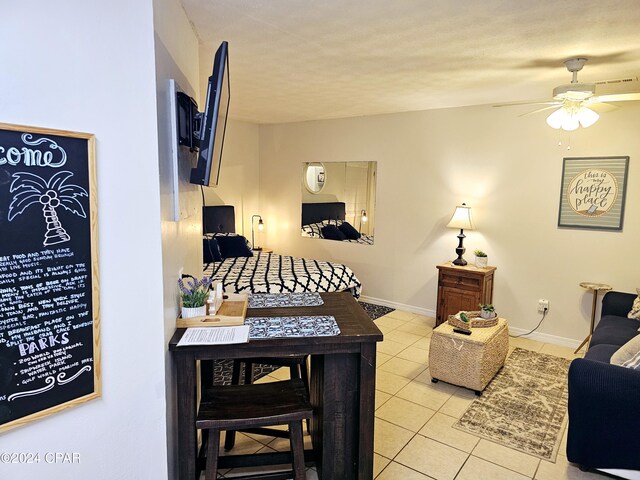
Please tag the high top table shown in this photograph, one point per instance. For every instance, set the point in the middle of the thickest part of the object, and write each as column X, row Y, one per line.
column 342, row 389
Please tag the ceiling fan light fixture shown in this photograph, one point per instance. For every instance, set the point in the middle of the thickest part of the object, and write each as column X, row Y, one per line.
column 574, row 91
column 570, row 117
column 587, row 117
column 562, row 118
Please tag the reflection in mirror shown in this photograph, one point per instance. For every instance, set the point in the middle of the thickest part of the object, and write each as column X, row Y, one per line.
column 314, row 177
column 338, row 201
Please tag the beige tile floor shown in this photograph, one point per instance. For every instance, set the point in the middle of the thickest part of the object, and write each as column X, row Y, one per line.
column 414, row 438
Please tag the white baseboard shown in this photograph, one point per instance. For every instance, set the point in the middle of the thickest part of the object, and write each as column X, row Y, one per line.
column 540, row 337
column 399, row 306
column 546, row 338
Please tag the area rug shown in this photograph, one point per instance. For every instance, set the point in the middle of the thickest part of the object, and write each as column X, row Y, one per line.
column 375, row 311
column 222, row 368
column 524, row 407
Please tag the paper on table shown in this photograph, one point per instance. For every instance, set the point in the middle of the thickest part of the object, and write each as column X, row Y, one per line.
column 215, row 336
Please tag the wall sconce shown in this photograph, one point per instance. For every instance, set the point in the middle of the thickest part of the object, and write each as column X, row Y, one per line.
column 363, row 218
column 461, row 219
column 260, row 229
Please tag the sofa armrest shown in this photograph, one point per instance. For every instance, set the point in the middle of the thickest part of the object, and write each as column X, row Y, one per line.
column 603, row 415
column 617, row 303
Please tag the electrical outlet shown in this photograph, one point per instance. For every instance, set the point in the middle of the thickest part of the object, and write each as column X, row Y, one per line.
column 180, row 272
column 543, row 305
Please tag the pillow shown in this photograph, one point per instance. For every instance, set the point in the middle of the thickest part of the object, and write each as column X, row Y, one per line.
column 227, row 234
column 211, row 250
column 232, row 246
column 333, row 221
column 332, row 233
column 349, row 232
column 628, row 355
column 312, row 230
column 635, row 309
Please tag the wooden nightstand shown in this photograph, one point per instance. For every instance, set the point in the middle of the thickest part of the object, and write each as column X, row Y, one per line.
column 263, row 250
column 462, row 288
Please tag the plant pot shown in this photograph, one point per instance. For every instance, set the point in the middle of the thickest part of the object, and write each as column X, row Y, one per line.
column 481, row 261
column 190, row 312
column 486, row 314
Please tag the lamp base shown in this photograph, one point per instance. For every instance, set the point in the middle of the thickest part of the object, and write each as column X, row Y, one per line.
column 460, row 250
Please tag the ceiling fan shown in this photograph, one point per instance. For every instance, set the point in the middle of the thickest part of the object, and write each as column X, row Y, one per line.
column 574, row 103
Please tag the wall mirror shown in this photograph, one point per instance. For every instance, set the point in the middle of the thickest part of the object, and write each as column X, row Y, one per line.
column 314, row 177
column 338, row 201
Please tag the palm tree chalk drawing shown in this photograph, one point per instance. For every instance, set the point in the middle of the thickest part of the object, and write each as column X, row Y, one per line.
column 30, row 189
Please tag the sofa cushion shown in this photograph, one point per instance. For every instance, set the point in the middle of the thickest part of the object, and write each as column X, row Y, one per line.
column 614, row 330
column 627, row 352
column 635, row 309
column 601, row 353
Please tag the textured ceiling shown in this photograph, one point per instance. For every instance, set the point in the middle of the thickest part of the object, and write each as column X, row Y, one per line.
column 296, row 60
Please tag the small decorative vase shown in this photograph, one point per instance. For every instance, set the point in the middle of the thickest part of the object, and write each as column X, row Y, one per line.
column 486, row 314
column 481, row 261
column 190, row 312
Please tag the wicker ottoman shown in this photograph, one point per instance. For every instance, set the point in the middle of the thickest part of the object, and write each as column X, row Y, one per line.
column 469, row 361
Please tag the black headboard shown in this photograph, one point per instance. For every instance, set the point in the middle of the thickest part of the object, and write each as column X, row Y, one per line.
column 316, row 212
column 221, row 218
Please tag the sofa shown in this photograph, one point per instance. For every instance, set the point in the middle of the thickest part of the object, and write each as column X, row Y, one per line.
column 604, row 399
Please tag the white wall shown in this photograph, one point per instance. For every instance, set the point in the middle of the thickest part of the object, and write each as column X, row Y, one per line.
column 176, row 55
column 507, row 168
column 239, row 174
column 89, row 66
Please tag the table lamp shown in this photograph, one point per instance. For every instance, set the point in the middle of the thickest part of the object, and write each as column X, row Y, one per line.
column 461, row 219
column 260, row 228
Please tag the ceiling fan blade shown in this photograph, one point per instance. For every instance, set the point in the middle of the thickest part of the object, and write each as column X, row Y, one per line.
column 602, row 107
column 557, row 105
column 616, row 97
column 511, row 104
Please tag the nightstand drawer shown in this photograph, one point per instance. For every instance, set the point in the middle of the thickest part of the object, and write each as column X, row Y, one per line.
column 460, row 281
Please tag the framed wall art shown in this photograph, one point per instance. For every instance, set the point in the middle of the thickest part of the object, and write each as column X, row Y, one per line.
column 593, row 192
column 49, row 293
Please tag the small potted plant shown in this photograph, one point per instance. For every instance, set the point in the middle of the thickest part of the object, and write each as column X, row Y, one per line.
column 487, row 311
column 194, row 294
column 481, row 258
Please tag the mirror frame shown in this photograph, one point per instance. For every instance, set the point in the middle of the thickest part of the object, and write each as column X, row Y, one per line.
column 306, row 180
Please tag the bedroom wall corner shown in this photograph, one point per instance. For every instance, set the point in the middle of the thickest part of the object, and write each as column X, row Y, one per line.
column 176, row 57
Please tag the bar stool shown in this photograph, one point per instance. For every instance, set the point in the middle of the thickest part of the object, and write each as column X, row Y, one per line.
column 238, row 407
column 298, row 369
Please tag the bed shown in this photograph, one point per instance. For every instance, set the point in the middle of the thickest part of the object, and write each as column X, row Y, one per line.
column 317, row 216
column 243, row 270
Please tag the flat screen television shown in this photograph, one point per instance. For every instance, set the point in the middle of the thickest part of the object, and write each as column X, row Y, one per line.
column 213, row 122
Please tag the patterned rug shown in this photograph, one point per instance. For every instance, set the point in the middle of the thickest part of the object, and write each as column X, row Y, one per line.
column 375, row 311
column 524, row 407
column 222, row 368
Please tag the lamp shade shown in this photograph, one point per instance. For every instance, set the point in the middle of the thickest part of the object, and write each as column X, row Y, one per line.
column 461, row 218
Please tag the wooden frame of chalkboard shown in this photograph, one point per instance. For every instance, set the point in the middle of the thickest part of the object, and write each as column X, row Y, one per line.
column 49, row 291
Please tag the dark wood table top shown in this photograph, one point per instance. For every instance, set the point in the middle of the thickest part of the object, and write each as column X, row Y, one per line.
column 354, row 323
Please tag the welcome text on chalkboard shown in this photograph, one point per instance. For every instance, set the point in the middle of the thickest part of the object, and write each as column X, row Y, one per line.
column 49, row 296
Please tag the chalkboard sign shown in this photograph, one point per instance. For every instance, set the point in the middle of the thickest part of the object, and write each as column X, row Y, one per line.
column 49, row 315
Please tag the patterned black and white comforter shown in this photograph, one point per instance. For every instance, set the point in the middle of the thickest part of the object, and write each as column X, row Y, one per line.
column 314, row 230
column 271, row 273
